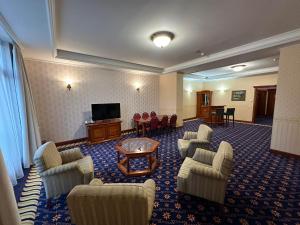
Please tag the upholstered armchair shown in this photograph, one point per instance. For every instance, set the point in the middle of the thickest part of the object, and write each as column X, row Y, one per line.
column 192, row 140
column 61, row 171
column 112, row 204
column 206, row 174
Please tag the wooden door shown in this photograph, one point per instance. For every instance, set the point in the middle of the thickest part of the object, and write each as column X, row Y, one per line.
column 271, row 102
column 261, row 102
column 97, row 133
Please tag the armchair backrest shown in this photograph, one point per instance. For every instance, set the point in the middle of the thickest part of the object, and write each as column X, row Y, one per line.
column 108, row 204
column 204, row 132
column 223, row 159
column 47, row 156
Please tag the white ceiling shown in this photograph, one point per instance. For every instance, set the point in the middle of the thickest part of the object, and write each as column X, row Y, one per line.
column 120, row 30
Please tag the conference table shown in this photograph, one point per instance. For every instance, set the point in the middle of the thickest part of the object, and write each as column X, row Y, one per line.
column 143, row 122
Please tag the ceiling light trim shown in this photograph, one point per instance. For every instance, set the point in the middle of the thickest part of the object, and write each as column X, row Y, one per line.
column 255, row 72
column 50, row 6
column 265, row 43
column 75, row 56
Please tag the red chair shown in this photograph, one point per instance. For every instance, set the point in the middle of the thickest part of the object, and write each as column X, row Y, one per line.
column 173, row 121
column 145, row 115
column 154, row 125
column 152, row 114
column 164, row 122
column 137, row 126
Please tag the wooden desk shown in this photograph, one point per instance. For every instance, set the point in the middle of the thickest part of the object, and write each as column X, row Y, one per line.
column 207, row 113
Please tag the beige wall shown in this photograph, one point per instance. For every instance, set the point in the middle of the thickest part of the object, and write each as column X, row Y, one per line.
column 61, row 113
column 222, row 93
column 171, row 95
column 190, row 88
column 286, row 124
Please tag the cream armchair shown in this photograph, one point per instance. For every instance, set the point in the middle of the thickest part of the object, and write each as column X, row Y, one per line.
column 112, row 204
column 206, row 174
column 192, row 140
column 61, row 171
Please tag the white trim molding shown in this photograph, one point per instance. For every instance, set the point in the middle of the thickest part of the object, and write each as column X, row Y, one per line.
column 269, row 42
column 62, row 54
column 4, row 24
column 50, row 6
column 267, row 70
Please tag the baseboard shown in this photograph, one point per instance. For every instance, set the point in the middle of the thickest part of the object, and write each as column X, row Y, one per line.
column 192, row 118
column 73, row 141
column 286, row 154
column 242, row 121
column 70, row 141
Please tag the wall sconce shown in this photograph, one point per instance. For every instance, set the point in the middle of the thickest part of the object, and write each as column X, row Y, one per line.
column 69, row 87
column 138, row 89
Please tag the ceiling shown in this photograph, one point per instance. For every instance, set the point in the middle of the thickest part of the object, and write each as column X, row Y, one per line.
column 260, row 66
column 117, row 32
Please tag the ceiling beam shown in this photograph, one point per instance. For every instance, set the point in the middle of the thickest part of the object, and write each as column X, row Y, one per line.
column 273, row 41
column 62, row 54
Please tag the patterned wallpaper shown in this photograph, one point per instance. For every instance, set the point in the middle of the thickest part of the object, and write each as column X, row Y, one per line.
column 62, row 113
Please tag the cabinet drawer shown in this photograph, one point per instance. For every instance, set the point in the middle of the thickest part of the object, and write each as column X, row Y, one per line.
column 113, row 130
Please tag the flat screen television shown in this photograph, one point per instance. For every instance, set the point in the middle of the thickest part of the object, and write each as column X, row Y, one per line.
column 105, row 111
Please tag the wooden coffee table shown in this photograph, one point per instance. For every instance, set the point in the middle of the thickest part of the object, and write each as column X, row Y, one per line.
column 137, row 148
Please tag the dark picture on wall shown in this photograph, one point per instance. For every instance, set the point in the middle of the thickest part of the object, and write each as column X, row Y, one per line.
column 238, row 95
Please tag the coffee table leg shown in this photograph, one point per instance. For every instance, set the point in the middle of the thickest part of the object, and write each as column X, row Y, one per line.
column 128, row 167
column 150, row 162
column 118, row 156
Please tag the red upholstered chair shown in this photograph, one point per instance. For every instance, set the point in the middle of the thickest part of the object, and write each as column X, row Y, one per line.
column 137, row 126
column 145, row 115
column 154, row 125
column 164, row 122
column 173, row 121
column 152, row 114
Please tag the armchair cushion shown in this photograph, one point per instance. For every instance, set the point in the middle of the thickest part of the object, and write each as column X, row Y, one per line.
column 223, row 159
column 204, row 156
column 47, row 156
column 96, row 182
column 189, row 135
column 71, row 155
column 204, row 132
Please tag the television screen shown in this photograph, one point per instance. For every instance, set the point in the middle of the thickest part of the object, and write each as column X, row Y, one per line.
column 105, row 111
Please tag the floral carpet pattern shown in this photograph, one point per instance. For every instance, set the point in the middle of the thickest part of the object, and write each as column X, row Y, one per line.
column 263, row 189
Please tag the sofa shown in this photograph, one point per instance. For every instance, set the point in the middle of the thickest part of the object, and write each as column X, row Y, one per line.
column 61, row 171
column 112, row 204
column 192, row 140
column 206, row 174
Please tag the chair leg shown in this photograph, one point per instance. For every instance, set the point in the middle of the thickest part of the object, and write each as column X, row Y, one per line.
column 233, row 120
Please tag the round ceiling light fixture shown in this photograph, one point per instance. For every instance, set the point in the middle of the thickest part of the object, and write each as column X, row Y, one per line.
column 162, row 38
column 238, row 68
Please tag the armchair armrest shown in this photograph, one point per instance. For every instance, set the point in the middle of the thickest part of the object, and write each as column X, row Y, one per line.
column 60, row 169
column 206, row 172
column 204, row 156
column 71, row 155
column 189, row 135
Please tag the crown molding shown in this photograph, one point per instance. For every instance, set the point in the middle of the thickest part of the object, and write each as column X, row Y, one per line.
column 257, row 72
column 4, row 24
column 50, row 8
column 269, row 42
column 62, row 54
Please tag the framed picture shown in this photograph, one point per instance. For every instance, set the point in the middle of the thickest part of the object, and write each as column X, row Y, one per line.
column 238, row 95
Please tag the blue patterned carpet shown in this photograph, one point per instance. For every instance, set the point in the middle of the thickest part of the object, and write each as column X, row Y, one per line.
column 263, row 189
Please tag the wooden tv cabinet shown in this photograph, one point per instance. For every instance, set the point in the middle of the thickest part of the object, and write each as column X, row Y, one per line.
column 104, row 130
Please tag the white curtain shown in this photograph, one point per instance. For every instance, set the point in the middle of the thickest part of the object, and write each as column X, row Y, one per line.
column 19, row 134
column 8, row 208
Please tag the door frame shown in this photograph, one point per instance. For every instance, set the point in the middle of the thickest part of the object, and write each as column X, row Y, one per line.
column 256, row 89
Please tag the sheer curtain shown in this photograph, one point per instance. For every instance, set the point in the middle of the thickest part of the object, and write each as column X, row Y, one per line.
column 19, row 134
